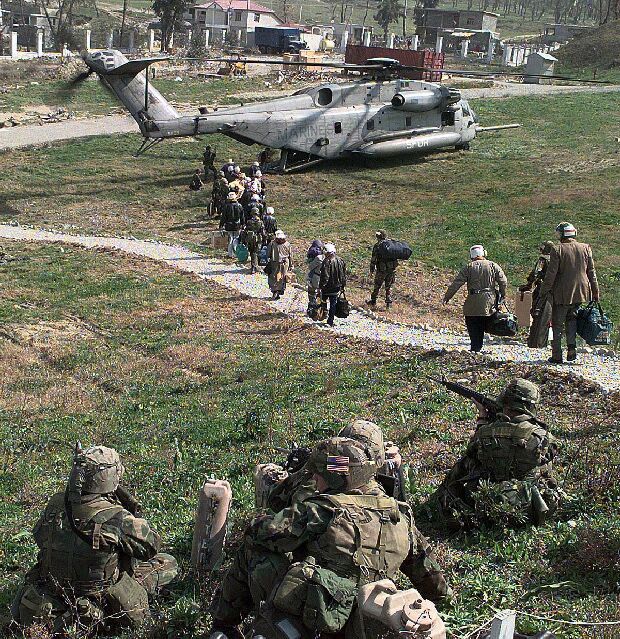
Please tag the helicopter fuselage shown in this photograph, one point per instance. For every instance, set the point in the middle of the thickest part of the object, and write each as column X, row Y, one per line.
column 369, row 117
column 376, row 118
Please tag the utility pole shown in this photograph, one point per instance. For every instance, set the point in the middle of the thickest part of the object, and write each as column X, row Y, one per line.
column 405, row 20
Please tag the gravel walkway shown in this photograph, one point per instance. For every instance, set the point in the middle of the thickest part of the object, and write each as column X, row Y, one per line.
column 602, row 368
column 34, row 135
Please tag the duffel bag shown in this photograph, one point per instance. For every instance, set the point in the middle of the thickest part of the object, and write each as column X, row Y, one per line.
column 502, row 323
column 393, row 250
column 343, row 308
column 593, row 325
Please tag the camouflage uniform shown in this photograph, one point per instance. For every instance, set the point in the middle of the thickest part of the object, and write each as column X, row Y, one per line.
column 384, row 270
column 253, row 236
column 308, row 560
column 220, row 191
column 104, row 568
column 506, row 475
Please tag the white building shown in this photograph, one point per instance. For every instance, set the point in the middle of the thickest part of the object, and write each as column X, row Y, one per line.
column 232, row 19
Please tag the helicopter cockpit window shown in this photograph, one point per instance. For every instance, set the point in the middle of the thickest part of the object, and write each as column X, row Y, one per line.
column 337, row 127
column 324, row 96
column 447, row 118
column 370, row 125
column 465, row 110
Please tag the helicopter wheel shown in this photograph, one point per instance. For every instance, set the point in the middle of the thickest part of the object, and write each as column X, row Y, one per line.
column 463, row 147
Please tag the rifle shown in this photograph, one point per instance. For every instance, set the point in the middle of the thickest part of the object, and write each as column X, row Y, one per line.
column 296, row 457
column 492, row 407
column 128, row 501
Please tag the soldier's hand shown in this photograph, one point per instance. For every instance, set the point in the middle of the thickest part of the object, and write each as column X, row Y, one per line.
column 482, row 411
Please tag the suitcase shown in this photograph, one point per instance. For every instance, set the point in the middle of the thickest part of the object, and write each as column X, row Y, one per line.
column 523, row 307
column 218, row 239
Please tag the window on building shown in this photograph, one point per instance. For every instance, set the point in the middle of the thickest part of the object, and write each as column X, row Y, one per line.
column 337, row 127
column 238, row 15
column 257, row 17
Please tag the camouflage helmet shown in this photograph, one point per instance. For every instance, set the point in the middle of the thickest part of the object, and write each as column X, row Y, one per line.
column 546, row 247
column 100, row 468
column 368, row 434
column 343, row 463
column 520, row 395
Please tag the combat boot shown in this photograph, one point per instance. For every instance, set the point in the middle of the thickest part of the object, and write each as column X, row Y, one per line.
column 556, row 353
column 572, row 353
column 371, row 302
column 388, row 303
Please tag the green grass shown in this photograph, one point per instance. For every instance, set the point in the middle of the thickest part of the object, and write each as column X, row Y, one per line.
column 509, row 192
column 176, row 373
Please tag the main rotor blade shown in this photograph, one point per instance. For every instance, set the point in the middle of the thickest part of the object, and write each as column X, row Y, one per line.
column 487, row 74
column 400, row 68
column 293, row 63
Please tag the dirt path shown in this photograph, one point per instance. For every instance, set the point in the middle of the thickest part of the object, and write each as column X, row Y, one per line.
column 33, row 135
column 599, row 368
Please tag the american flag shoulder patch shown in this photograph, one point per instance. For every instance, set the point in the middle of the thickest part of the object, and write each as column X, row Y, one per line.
column 338, row 464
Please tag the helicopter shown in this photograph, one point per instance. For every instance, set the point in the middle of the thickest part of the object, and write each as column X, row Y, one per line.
column 375, row 117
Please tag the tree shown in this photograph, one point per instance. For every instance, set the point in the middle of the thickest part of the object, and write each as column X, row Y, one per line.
column 389, row 11
column 170, row 14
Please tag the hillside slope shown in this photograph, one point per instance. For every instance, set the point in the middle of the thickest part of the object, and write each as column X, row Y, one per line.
column 597, row 48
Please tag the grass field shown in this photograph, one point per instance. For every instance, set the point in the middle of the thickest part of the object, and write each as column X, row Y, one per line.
column 176, row 373
column 509, row 192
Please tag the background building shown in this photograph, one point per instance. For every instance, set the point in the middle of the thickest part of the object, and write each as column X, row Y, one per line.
column 233, row 20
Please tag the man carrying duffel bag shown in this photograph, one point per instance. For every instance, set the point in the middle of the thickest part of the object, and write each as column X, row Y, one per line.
column 485, row 282
column 570, row 280
column 383, row 264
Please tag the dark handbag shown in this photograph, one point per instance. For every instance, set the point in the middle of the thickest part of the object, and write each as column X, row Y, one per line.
column 502, row 323
column 343, row 308
column 593, row 325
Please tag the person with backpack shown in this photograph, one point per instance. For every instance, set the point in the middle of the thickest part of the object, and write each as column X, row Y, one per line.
column 570, row 280
column 510, row 457
column 315, row 258
column 333, row 280
column 253, row 236
column 539, row 330
column 384, row 271
column 486, row 287
column 231, row 220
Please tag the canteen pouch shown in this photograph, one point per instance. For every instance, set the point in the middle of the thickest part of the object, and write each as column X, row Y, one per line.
column 128, row 601
column 320, row 597
column 35, row 607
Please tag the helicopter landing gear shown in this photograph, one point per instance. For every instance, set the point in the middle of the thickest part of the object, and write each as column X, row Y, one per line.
column 463, row 147
column 291, row 161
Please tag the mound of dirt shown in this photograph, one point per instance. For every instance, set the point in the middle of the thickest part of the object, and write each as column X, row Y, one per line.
column 598, row 48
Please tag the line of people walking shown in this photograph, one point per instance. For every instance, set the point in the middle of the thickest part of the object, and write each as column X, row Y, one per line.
column 563, row 278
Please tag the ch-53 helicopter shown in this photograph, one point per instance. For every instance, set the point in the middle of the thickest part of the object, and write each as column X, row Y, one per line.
column 378, row 116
